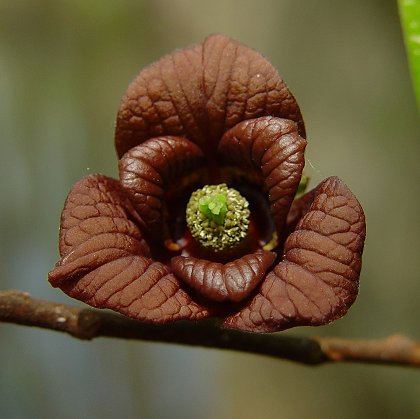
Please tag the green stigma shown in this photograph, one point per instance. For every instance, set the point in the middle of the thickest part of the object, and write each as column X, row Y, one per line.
column 218, row 216
column 214, row 207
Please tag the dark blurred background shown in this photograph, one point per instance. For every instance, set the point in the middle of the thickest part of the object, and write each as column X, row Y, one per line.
column 64, row 66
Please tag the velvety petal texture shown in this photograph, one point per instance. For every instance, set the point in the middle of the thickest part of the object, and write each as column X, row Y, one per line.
column 217, row 112
column 273, row 149
column 150, row 169
column 318, row 278
column 200, row 92
column 105, row 261
column 232, row 281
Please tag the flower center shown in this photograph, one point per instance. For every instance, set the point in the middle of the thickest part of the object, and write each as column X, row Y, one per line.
column 218, row 217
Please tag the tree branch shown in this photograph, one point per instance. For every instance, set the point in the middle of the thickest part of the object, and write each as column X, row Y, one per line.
column 86, row 323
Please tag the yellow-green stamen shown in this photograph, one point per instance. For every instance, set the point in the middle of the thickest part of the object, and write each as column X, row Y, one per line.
column 218, row 216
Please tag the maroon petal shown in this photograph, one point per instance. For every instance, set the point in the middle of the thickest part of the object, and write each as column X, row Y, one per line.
column 317, row 281
column 200, row 92
column 233, row 281
column 105, row 261
column 150, row 170
column 270, row 149
column 298, row 209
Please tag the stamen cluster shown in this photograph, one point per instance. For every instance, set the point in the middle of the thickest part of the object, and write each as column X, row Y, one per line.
column 218, row 216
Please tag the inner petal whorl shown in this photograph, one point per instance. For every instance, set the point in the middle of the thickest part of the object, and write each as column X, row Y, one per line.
column 233, row 281
column 153, row 171
column 271, row 150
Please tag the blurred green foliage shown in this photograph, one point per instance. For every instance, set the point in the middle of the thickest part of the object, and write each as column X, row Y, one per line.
column 410, row 20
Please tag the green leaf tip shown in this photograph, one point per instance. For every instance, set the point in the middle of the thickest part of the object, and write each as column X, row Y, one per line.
column 410, row 22
column 303, row 184
column 218, row 217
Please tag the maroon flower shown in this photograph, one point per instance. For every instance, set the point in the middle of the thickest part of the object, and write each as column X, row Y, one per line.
column 214, row 113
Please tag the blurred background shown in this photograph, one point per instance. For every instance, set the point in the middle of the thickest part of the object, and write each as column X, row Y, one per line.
column 64, row 66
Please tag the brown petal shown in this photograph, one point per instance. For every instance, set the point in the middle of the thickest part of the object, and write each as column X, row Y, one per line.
column 233, row 281
column 317, row 281
column 299, row 208
column 148, row 170
column 272, row 148
column 200, row 92
column 105, row 261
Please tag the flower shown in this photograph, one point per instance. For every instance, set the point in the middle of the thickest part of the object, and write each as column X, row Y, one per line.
column 215, row 113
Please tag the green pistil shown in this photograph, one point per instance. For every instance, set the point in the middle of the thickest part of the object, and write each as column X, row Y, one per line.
column 218, row 216
column 214, row 207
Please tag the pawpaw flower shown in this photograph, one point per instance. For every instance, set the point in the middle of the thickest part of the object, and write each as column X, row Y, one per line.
column 204, row 220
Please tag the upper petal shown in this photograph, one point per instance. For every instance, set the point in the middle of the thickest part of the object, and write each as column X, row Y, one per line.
column 200, row 92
